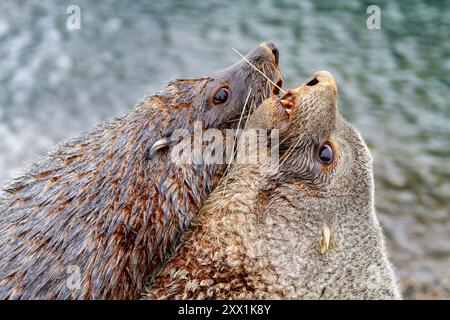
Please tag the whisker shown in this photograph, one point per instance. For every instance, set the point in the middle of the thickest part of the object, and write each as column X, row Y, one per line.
column 236, row 119
column 262, row 73
column 288, row 155
column 290, row 150
column 234, row 142
column 251, row 109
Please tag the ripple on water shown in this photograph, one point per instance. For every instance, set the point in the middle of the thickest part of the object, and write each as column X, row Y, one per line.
column 393, row 83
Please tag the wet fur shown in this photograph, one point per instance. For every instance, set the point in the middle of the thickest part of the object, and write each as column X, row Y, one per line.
column 102, row 203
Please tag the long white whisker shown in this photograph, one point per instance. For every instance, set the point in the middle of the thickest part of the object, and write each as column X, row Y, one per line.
column 288, row 154
column 234, row 141
column 262, row 73
column 249, row 108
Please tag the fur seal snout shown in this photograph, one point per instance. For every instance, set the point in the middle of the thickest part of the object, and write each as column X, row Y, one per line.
column 307, row 231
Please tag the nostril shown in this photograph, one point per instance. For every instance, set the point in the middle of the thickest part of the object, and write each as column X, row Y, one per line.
column 273, row 48
column 276, row 54
column 312, row 82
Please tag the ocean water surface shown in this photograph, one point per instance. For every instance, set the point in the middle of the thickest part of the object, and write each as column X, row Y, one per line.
column 394, row 86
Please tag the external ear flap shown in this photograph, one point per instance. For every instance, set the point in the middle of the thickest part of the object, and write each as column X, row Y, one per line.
column 158, row 145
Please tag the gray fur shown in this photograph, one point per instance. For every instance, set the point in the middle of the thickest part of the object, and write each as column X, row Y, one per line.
column 262, row 237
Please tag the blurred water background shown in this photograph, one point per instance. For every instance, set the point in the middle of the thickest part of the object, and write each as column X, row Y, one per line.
column 394, row 86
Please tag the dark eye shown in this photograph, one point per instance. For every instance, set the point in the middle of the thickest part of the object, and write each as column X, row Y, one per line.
column 221, row 95
column 326, row 154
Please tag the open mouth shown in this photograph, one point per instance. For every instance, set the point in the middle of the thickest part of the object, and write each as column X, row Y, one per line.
column 277, row 87
column 276, row 80
column 287, row 102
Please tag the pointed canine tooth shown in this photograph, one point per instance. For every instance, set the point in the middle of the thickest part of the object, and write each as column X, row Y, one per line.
column 161, row 143
column 325, row 239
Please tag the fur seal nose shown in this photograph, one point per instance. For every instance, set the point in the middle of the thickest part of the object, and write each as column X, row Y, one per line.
column 322, row 77
column 273, row 50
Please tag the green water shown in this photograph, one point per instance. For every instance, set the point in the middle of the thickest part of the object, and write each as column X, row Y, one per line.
column 394, row 87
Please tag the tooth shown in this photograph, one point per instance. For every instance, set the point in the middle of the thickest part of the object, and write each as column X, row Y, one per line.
column 325, row 239
column 161, row 143
column 287, row 103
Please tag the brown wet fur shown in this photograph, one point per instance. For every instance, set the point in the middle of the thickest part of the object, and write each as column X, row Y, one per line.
column 103, row 203
column 211, row 261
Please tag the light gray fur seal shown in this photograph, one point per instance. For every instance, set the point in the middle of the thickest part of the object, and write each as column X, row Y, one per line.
column 308, row 231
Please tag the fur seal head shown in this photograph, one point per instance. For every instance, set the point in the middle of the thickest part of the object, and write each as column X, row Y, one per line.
column 323, row 236
column 307, row 231
column 218, row 100
column 239, row 86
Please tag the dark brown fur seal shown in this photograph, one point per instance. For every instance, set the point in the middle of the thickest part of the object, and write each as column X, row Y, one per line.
column 108, row 204
column 308, row 231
